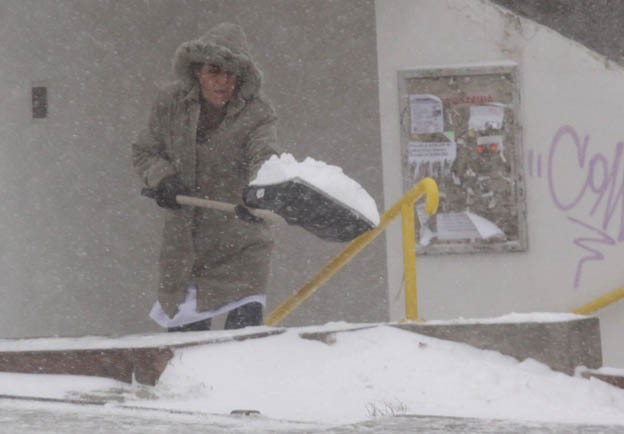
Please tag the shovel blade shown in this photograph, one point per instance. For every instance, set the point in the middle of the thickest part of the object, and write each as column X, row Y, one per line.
column 303, row 205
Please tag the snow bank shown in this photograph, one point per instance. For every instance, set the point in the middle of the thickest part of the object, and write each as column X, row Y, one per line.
column 324, row 177
column 52, row 386
column 377, row 370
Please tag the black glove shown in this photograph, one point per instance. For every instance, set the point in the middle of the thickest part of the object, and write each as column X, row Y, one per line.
column 167, row 190
column 243, row 213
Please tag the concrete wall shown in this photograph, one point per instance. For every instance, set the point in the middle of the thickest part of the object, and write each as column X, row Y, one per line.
column 596, row 24
column 571, row 112
column 79, row 245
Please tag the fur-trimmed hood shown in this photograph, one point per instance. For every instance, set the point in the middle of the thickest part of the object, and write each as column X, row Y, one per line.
column 225, row 44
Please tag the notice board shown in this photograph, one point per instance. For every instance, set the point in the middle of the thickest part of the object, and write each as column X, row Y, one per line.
column 460, row 125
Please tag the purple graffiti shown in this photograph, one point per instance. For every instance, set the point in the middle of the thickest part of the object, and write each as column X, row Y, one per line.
column 598, row 181
column 584, row 243
column 530, row 164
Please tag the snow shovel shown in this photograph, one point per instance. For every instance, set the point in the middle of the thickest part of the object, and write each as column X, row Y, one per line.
column 242, row 212
column 299, row 203
column 296, row 202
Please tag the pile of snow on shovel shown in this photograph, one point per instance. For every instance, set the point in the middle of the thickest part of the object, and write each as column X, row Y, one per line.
column 325, row 177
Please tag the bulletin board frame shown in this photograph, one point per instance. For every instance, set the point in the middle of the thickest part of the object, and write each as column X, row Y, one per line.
column 461, row 125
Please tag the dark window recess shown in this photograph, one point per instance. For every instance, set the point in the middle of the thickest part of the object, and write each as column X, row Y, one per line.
column 39, row 102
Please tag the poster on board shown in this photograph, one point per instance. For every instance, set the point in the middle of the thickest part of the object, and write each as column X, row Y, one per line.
column 461, row 127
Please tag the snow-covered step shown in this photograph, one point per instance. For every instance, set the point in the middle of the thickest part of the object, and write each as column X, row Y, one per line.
column 337, row 373
column 562, row 341
column 613, row 376
column 142, row 358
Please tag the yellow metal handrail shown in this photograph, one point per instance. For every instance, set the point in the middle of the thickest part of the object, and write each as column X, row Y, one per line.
column 405, row 207
column 600, row 302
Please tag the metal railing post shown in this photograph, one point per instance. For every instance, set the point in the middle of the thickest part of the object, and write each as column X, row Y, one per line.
column 600, row 302
column 409, row 261
column 426, row 186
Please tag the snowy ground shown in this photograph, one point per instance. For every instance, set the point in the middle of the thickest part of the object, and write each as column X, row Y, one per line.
column 364, row 375
column 34, row 418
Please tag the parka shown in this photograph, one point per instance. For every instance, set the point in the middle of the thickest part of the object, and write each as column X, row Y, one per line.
column 227, row 259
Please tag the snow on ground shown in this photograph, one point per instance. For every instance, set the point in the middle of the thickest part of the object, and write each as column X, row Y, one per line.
column 325, row 177
column 541, row 317
column 370, row 372
column 132, row 341
column 52, row 386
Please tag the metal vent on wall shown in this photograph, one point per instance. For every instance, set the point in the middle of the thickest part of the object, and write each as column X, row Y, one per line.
column 39, row 102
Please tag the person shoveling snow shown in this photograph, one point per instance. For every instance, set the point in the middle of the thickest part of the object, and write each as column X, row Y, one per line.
column 207, row 137
column 208, row 134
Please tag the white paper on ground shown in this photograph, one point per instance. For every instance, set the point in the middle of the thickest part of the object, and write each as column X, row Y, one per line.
column 187, row 311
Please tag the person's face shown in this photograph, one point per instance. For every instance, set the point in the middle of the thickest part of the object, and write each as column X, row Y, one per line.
column 217, row 84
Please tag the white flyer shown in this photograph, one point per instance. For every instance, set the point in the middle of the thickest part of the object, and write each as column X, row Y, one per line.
column 483, row 117
column 419, row 152
column 466, row 225
column 432, row 158
column 427, row 114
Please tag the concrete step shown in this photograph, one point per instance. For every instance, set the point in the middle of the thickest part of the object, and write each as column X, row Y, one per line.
column 564, row 342
column 141, row 358
column 561, row 344
column 613, row 376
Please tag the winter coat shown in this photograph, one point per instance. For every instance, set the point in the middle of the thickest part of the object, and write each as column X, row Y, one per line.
column 226, row 258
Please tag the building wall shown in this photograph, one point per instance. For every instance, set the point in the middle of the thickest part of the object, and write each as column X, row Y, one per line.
column 597, row 25
column 571, row 111
column 79, row 244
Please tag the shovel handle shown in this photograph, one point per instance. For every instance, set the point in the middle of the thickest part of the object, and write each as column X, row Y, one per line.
column 227, row 207
column 221, row 206
column 204, row 203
